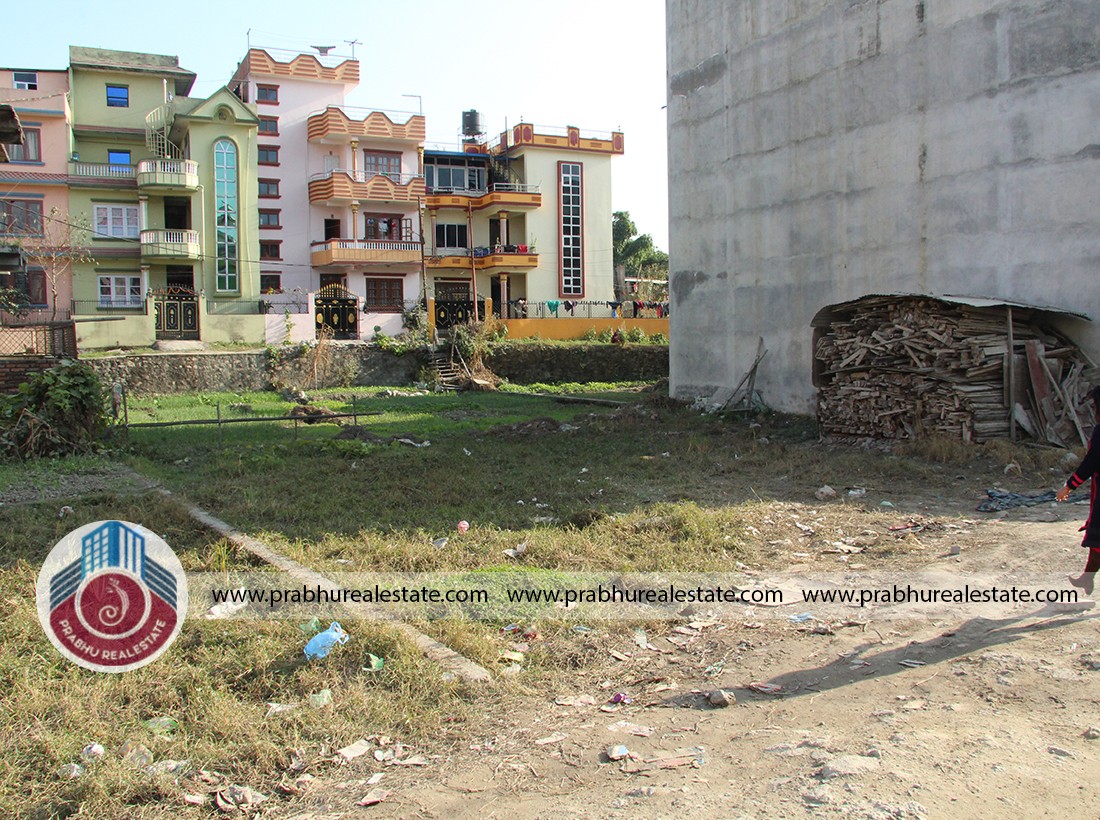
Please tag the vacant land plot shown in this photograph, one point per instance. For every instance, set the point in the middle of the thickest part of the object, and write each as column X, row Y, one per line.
column 871, row 712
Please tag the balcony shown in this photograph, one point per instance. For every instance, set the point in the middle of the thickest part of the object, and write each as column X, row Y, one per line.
column 334, row 126
column 341, row 187
column 364, row 252
column 102, row 174
column 500, row 195
column 168, row 173
column 170, row 244
column 485, row 259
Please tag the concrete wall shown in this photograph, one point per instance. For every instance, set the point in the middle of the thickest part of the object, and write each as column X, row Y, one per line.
column 822, row 150
column 138, row 329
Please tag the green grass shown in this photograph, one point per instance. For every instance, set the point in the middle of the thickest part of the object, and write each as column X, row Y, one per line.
column 652, row 486
column 216, row 681
column 623, row 391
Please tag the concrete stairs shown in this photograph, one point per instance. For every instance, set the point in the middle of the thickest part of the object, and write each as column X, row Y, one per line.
column 449, row 376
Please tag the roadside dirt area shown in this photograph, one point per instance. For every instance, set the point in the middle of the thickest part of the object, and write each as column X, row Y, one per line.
column 957, row 713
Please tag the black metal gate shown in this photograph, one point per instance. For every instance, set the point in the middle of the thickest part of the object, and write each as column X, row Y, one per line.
column 337, row 310
column 176, row 313
column 451, row 312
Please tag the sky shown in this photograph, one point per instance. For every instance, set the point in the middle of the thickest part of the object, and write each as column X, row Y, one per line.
column 598, row 65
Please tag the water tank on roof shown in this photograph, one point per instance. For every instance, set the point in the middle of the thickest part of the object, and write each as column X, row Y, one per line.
column 471, row 123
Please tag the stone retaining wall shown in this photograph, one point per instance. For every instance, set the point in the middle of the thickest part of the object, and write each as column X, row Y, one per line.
column 527, row 363
column 361, row 364
column 257, row 370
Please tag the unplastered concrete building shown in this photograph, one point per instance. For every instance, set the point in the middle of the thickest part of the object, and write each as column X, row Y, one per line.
column 825, row 150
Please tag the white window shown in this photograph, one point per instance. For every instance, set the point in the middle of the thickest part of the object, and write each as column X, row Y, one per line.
column 27, row 80
column 120, row 291
column 571, row 249
column 117, row 222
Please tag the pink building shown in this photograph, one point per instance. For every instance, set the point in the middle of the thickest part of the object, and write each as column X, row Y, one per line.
column 35, row 181
column 340, row 196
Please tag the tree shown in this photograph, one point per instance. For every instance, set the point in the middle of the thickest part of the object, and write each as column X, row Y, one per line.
column 62, row 243
column 635, row 256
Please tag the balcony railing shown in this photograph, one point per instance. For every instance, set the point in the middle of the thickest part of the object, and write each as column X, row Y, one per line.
column 101, row 170
column 368, row 245
column 363, row 176
column 352, row 251
column 510, row 256
column 170, row 173
column 171, row 243
column 495, row 188
column 168, row 166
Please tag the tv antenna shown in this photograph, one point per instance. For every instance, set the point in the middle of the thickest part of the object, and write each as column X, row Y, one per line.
column 323, row 50
column 353, row 44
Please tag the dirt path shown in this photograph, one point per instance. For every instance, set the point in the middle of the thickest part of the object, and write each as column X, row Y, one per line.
column 990, row 716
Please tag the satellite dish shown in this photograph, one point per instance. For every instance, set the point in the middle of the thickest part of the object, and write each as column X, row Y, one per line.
column 323, row 50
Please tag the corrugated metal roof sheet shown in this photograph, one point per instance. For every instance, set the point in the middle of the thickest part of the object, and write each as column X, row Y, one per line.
column 827, row 313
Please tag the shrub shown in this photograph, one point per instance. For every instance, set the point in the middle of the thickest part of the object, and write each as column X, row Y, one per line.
column 56, row 412
column 635, row 335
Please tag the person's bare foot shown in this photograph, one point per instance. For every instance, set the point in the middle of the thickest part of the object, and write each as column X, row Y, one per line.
column 1084, row 582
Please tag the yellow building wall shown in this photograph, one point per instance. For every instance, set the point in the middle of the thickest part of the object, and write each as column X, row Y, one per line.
column 542, row 226
column 131, row 331
column 575, row 328
column 89, row 99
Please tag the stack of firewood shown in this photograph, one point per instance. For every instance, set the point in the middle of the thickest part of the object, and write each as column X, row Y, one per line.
column 905, row 367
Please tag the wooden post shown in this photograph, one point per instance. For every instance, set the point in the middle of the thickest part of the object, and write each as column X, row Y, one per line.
column 1010, row 363
column 219, row 424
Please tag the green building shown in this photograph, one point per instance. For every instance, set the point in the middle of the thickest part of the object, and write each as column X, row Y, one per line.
column 167, row 184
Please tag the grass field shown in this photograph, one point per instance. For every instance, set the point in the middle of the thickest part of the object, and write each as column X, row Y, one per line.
column 648, row 486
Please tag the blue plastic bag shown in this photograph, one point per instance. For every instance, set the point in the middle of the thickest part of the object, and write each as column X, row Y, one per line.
column 321, row 644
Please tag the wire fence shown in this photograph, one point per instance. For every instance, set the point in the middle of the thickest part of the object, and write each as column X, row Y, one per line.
column 47, row 339
column 121, row 412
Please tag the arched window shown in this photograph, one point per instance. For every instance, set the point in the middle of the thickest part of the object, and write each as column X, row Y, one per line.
column 225, row 215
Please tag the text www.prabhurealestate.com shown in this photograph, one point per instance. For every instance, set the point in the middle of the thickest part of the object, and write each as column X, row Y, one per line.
column 646, row 596
column 908, row 594
column 377, row 595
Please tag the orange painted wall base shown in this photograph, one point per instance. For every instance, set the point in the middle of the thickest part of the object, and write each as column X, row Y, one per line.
column 575, row 328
